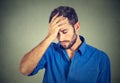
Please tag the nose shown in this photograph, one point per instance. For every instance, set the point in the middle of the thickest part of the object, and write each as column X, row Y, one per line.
column 61, row 37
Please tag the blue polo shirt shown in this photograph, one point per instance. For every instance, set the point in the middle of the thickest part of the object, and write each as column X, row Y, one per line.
column 88, row 65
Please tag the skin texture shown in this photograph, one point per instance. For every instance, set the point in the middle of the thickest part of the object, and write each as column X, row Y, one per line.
column 59, row 28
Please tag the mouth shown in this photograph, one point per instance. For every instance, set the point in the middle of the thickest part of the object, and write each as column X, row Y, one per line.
column 63, row 43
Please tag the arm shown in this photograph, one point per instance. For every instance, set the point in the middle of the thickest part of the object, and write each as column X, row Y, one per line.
column 31, row 59
column 105, row 73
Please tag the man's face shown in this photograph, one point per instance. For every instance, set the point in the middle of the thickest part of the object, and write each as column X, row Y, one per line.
column 67, row 36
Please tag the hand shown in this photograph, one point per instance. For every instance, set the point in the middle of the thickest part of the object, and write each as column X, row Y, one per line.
column 55, row 25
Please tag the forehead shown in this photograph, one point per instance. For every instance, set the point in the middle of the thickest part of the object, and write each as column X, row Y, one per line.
column 68, row 25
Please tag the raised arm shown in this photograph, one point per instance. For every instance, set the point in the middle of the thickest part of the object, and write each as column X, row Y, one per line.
column 31, row 59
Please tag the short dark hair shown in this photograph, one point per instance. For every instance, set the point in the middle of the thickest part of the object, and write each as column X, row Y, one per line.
column 66, row 11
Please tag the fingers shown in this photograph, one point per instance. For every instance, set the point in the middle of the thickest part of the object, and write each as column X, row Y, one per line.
column 58, row 19
column 61, row 25
column 58, row 22
column 54, row 17
column 61, row 22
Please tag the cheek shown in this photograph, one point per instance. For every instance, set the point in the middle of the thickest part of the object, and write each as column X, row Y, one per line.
column 69, row 35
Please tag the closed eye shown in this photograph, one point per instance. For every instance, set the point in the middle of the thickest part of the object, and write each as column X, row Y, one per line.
column 64, row 31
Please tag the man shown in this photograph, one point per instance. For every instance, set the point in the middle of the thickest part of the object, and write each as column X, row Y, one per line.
column 69, row 61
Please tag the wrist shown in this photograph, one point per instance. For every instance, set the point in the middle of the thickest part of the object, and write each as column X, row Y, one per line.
column 49, row 38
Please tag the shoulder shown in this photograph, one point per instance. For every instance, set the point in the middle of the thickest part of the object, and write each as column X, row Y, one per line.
column 52, row 48
column 53, row 45
column 98, row 53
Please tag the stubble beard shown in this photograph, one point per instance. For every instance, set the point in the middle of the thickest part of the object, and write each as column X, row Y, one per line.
column 72, row 42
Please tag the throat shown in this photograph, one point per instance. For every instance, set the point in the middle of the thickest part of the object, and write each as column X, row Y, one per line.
column 70, row 53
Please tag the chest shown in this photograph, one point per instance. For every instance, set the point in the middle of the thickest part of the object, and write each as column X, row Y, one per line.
column 77, row 69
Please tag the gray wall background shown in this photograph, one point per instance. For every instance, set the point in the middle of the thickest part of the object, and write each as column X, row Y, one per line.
column 24, row 23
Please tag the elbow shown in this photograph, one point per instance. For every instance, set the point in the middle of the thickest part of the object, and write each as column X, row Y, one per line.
column 23, row 70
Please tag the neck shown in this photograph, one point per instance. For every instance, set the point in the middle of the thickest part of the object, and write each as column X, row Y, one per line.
column 72, row 50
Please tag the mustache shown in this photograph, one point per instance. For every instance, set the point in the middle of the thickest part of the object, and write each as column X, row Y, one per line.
column 64, row 41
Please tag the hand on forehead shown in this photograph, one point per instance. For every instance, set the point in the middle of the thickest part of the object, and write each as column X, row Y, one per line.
column 57, row 18
column 60, row 22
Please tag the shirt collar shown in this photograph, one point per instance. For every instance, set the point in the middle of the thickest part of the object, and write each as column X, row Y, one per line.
column 82, row 47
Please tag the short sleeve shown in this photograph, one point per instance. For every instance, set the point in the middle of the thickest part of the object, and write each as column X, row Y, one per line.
column 42, row 63
column 40, row 66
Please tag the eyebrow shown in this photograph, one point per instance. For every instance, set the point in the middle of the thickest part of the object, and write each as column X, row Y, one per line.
column 63, row 30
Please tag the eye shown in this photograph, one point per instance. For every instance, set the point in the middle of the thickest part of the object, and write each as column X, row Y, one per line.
column 64, row 32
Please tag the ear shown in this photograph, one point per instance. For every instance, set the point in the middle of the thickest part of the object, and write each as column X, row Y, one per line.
column 77, row 27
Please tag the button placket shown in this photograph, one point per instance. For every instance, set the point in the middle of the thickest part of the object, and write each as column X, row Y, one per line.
column 72, row 69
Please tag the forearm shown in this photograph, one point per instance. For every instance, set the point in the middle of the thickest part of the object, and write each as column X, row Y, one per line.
column 31, row 59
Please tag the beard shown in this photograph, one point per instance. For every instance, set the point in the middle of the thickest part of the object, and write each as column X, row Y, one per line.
column 71, row 43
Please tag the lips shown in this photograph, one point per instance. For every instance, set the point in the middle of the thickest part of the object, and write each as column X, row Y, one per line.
column 63, row 43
